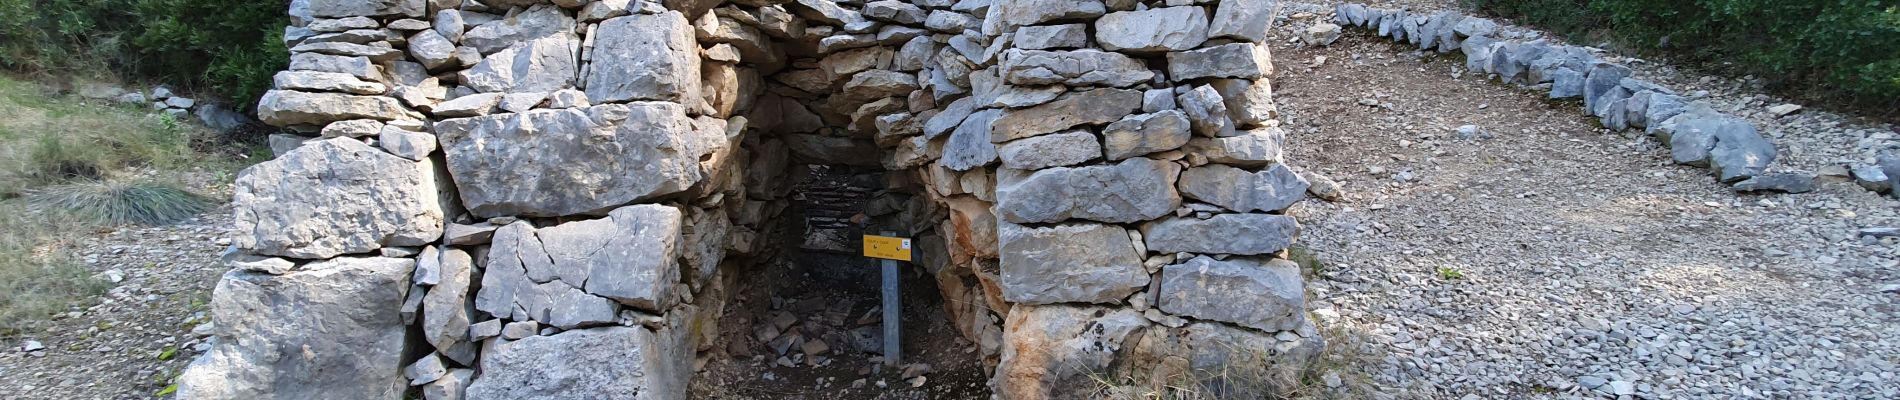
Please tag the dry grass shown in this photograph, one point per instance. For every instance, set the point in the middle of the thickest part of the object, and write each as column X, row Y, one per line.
column 68, row 169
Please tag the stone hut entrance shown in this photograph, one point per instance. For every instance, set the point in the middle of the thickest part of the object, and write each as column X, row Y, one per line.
column 646, row 199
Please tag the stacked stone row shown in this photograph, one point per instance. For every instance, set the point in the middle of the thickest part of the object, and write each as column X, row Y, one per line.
column 1135, row 230
column 538, row 190
column 1696, row 134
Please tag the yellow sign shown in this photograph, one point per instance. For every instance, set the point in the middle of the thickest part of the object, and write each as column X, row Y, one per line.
column 885, row 247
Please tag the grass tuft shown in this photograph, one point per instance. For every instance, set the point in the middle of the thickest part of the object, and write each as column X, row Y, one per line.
column 115, row 203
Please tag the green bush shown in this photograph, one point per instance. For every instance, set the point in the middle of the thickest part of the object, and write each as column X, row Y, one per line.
column 229, row 46
column 1844, row 51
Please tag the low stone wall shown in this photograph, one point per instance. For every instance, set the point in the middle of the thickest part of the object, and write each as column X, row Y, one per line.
column 1696, row 134
column 554, row 194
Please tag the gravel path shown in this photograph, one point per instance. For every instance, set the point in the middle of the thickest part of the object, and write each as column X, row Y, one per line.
column 1551, row 258
column 144, row 330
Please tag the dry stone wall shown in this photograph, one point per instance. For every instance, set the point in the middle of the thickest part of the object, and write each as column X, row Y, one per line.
column 555, row 195
column 1696, row 133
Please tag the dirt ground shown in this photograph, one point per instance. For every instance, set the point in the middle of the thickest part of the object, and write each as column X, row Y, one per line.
column 1550, row 257
column 819, row 290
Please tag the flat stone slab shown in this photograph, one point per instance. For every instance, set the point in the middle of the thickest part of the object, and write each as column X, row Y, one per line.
column 1133, row 190
column 572, row 274
column 618, row 363
column 1241, row 234
column 1267, row 295
column 558, row 162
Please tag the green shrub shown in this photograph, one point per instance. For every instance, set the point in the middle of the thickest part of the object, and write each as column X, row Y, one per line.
column 229, row 46
column 1838, row 51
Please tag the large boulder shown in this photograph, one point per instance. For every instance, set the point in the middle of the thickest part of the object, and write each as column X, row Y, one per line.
column 294, row 108
column 542, row 65
column 1064, row 351
column 1244, row 234
column 613, row 363
column 330, row 329
column 1137, row 189
column 556, row 162
column 1069, row 263
column 1153, row 30
column 1729, row 145
column 334, row 197
column 1262, row 294
column 628, row 257
column 644, row 57
column 1269, row 190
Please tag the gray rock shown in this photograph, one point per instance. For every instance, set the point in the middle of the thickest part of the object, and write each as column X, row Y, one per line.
column 1566, row 84
column 951, row 21
column 1136, row 189
column 1253, row 148
column 1602, row 78
column 519, row 330
column 451, row 386
column 1157, row 100
column 618, row 363
column 1044, row 37
column 1776, row 182
column 1005, row 14
column 1271, row 190
column 288, row 108
column 949, row 117
column 252, row 262
column 1068, row 263
column 1142, row 134
column 1264, row 294
column 533, row 23
column 542, row 65
column 825, row 12
column 610, row 257
column 1245, row 20
column 1153, row 30
column 1207, row 112
column 314, row 81
column 358, row 8
column 433, row 50
column 644, row 57
column 1726, row 144
column 1054, row 150
column 1249, row 102
column 1092, row 107
column 1232, row 60
column 895, row 11
column 521, row 164
column 1320, row 34
column 447, row 309
column 473, row 105
column 283, row 143
column 1874, row 177
column 1064, row 349
column 971, row 145
column 335, row 316
column 406, row 144
column 334, row 197
column 356, row 128
column 1073, row 67
column 428, row 369
column 374, row 53
column 1242, row 234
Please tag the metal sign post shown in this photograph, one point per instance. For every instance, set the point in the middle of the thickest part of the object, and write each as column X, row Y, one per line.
column 890, row 249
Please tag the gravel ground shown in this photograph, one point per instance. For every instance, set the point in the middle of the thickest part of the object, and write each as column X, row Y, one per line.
column 143, row 331
column 1551, row 258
